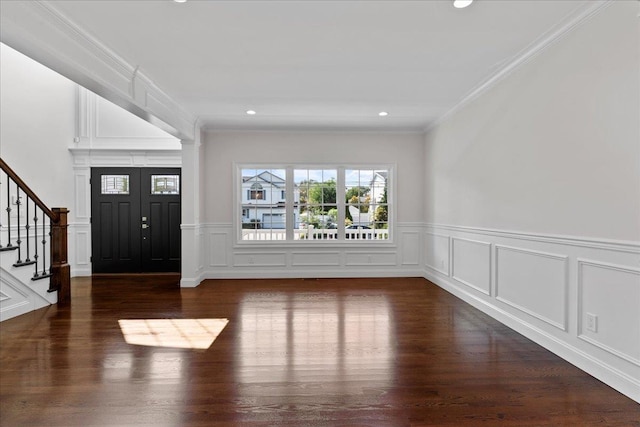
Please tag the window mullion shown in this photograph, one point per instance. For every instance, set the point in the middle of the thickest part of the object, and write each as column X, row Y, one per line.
column 340, row 197
column 290, row 222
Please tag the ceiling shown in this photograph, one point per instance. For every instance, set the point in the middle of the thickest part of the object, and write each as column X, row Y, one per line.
column 324, row 65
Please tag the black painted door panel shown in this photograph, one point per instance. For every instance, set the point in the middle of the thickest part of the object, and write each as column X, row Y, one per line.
column 161, row 237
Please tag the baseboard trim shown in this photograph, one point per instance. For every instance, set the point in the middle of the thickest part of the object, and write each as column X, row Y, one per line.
column 315, row 274
column 191, row 282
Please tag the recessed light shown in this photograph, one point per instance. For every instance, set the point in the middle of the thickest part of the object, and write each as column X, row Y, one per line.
column 383, row 114
column 180, row 1
column 251, row 112
column 459, row 4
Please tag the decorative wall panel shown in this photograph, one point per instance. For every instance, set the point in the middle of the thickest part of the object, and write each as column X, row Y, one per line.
column 313, row 258
column 218, row 249
column 471, row 263
column 534, row 282
column 437, row 252
column 260, row 259
column 371, row 259
column 410, row 248
column 609, row 308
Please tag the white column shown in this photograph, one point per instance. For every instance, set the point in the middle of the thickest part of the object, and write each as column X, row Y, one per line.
column 192, row 256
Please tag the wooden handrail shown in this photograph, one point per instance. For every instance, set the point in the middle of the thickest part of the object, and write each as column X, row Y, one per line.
column 24, row 187
column 60, row 277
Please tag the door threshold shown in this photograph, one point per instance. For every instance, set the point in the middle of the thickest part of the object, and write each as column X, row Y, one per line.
column 144, row 279
column 119, row 275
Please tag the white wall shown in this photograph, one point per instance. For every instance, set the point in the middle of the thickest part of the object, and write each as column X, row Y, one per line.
column 533, row 198
column 554, row 147
column 222, row 149
column 224, row 258
column 37, row 124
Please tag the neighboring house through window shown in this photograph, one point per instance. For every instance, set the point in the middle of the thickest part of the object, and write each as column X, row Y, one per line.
column 256, row 192
column 263, row 201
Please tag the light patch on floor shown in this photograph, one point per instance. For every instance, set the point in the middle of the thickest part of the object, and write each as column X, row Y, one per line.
column 174, row 333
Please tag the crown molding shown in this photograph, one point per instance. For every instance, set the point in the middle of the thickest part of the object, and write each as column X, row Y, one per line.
column 42, row 32
column 556, row 33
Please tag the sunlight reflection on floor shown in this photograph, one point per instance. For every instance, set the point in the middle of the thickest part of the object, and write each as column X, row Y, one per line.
column 173, row 333
column 316, row 338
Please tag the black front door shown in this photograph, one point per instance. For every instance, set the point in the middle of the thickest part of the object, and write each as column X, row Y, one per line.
column 135, row 220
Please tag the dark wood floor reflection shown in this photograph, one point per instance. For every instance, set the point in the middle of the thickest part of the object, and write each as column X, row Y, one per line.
column 329, row 352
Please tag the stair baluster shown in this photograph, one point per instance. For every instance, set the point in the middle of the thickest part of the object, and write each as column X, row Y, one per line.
column 36, row 274
column 9, row 244
column 27, row 260
column 44, row 254
column 58, row 269
column 18, row 241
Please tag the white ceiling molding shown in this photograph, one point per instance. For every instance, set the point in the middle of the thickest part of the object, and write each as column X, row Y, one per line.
column 38, row 30
column 547, row 39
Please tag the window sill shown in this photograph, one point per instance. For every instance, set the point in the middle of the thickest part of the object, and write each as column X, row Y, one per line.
column 315, row 244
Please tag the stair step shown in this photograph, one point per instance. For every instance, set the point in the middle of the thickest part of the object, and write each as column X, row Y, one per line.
column 41, row 276
column 8, row 248
column 24, row 263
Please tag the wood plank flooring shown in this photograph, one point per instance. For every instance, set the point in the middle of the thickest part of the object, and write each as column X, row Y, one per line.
column 329, row 352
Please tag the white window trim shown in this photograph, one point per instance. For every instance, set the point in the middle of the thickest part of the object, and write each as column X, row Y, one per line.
column 340, row 195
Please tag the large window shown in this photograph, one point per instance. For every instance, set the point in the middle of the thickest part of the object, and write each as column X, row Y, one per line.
column 314, row 203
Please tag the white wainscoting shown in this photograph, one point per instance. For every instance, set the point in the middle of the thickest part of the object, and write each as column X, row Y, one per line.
column 82, row 188
column 225, row 258
column 471, row 263
column 533, row 282
column 410, row 248
column 192, row 255
column 80, row 253
column 313, row 258
column 436, row 252
column 260, row 259
column 578, row 297
column 369, row 259
column 608, row 288
column 218, row 243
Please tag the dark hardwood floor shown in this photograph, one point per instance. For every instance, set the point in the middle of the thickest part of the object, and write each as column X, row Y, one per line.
column 328, row 352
